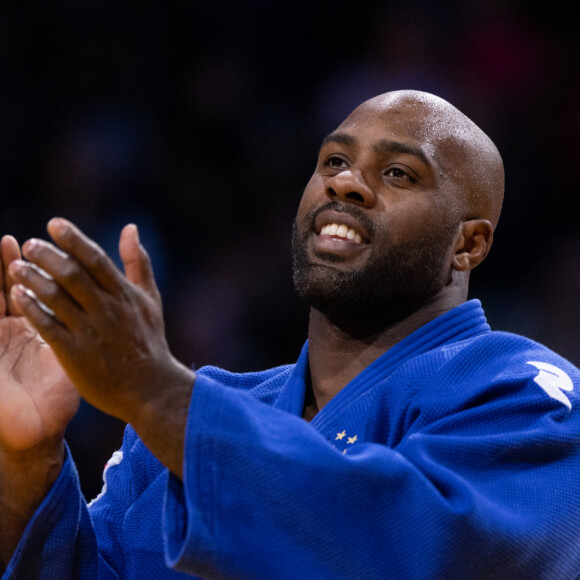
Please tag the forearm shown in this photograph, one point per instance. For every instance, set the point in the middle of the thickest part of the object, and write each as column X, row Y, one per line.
column 25, row 480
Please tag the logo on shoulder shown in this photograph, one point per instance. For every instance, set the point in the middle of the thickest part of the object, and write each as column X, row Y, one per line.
column 554, row 381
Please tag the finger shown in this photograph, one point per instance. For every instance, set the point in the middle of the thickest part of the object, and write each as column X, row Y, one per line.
column 71, row 276
column 47, row 294
column 27, row 305
column 3, row 288
column 136, row 261
column 90, row 255
column 9, row 251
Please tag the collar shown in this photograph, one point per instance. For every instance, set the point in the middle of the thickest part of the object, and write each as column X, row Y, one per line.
column 462, row 322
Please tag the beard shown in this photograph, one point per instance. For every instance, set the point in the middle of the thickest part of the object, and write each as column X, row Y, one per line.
column 396, row 280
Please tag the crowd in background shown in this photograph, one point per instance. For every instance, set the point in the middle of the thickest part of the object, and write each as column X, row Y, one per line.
column 201, row 121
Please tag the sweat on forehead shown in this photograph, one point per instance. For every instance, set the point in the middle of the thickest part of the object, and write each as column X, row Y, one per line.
column 463, row 151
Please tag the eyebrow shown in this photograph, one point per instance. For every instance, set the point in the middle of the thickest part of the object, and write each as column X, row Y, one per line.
column 341, row 138
column 383, row 146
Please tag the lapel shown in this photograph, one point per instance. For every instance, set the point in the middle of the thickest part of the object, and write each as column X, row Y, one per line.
column 464, row 321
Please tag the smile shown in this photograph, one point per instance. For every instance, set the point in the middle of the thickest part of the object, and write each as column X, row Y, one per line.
column 341, row 231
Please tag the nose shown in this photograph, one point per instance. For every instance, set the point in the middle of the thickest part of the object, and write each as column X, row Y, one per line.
column 351, row 187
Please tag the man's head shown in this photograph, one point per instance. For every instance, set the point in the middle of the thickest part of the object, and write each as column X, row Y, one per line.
column 401, row 206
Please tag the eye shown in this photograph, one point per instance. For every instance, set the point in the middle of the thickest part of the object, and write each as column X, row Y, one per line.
column 335, row 161
column 398, row 173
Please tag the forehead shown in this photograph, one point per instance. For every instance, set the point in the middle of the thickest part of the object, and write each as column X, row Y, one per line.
column 430, row 125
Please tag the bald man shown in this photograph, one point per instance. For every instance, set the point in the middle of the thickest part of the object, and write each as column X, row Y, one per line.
column 407, row 441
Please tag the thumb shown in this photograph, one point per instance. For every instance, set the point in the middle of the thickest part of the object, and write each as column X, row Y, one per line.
column 136, row 261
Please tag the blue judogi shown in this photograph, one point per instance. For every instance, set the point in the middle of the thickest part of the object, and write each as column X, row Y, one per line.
column 455, row 455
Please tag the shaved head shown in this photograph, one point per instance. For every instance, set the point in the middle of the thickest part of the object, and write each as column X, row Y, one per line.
column 418, row 187
column 465, row 155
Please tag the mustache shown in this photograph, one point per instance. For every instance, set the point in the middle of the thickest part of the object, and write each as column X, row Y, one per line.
column 341, row 207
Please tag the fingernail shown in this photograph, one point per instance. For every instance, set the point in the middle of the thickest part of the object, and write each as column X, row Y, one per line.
column 29, row 245
column 57, row 224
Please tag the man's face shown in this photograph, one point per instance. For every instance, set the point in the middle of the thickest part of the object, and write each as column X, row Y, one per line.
column 374, row 234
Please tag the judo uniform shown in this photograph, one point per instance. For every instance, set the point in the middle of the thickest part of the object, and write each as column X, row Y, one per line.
column 455, row 455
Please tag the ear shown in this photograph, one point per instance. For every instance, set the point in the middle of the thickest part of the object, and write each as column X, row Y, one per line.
column 473, row 244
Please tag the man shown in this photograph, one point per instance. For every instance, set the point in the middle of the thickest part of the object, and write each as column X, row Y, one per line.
column 408, row 441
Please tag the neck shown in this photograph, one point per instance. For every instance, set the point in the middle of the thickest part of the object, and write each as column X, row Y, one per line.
column 338, row 352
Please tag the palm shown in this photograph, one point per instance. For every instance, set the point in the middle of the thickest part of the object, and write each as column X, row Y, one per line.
column 38, row 399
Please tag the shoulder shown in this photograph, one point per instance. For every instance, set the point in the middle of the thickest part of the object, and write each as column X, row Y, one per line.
column 500, row 366
column 263, row 385
column 505, row 355
column 520, row 359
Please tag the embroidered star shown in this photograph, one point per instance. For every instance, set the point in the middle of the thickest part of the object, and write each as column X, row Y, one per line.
column 351, row 439
column 340, row 436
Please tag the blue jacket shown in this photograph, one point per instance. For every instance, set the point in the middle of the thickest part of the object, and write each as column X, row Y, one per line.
column 455, row 455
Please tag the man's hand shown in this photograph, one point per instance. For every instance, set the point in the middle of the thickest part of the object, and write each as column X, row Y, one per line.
column 107, row 331
column 38, row 401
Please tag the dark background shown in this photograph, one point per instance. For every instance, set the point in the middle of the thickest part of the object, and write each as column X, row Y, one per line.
column 201, row 123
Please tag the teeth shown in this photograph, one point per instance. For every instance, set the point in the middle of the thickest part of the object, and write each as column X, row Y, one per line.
column 341, row 231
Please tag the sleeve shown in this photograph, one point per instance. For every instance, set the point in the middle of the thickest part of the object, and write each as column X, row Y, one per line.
column 266, row 496
column 63, row 540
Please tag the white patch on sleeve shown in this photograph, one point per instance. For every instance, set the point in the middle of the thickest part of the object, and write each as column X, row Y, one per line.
column 115, row 460
column 554, row 381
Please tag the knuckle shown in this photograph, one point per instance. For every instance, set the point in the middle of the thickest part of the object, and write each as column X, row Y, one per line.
column 96, row 259
column 50, row 292
column 70, row 271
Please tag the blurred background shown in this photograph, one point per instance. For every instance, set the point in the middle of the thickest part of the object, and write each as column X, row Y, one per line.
column 201, row 121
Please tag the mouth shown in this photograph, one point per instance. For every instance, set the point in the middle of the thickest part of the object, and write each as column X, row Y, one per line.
column 340, row 234
column 341, row 231
column 340, row 226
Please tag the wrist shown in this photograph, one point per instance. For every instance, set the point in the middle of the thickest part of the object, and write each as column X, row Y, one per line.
column 25, row 479
column 31, row 472
column 167, row 393
column 160, row 420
